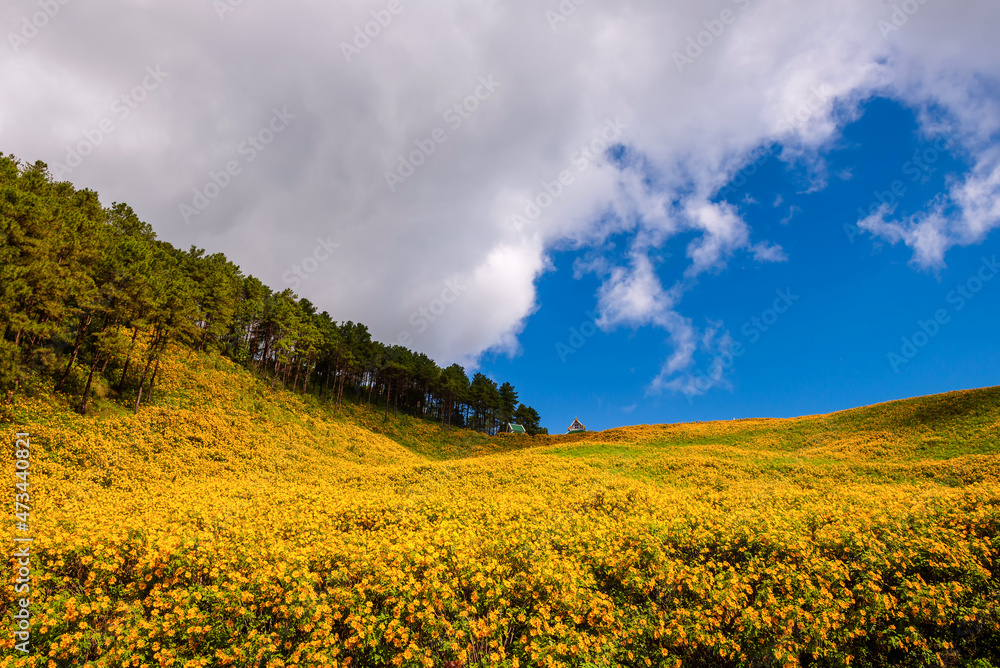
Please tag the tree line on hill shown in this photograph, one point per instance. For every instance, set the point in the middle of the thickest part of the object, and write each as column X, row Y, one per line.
column 82, row 284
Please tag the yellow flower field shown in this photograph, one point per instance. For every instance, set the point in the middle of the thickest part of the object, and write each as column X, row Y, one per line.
column 230, row 526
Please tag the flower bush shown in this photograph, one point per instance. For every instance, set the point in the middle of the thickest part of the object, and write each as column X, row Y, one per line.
column 230, row 526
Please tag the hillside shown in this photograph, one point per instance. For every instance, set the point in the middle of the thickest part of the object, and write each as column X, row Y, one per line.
column 90, row 298
column 229, row 524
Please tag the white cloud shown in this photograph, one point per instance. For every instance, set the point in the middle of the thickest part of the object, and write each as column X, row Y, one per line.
column 978, row 197
column 964, row 215
column 633, row 296
column 768, row 252
column 723, row 232
column 685, row 379
column 773, row 75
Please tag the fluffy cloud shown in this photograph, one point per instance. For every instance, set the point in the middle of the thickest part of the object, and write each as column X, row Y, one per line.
column 715, row 342
column 472, row 159
column 965, row 215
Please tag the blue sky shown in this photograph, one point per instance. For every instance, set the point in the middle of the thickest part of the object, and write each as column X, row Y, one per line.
column 853, row 299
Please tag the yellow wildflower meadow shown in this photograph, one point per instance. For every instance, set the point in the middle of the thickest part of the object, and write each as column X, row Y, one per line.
column 232, row 526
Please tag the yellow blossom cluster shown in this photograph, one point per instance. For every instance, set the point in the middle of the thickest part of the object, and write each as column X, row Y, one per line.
column 229, row 526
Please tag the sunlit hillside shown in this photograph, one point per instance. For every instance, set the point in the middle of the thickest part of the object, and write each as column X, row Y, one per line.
column 228, row 524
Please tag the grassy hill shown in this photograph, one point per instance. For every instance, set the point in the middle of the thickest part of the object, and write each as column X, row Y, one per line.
column 232, row 525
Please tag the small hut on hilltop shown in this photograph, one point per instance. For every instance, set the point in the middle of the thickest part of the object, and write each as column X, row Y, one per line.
column 576, row 426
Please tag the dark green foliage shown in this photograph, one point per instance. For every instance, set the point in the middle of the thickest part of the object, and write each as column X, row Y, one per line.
column 89, row 295
column 527, row 417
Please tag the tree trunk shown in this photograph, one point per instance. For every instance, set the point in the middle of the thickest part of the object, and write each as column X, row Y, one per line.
column 152, row 380
column 277, row 364
column 142, row 381
column 128, row 359
column 388, row 391
column 340, row 392
column 80, row 331
column 86, row 390
column 252, row 344
column 263, row 355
